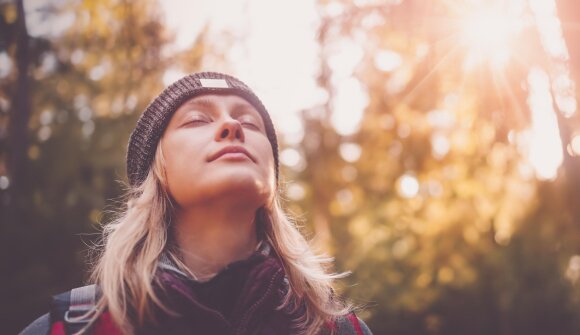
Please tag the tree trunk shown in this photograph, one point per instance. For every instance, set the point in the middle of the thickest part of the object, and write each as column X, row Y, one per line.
column 18, row 128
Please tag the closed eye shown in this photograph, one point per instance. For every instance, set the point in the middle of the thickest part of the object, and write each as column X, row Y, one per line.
column 250, row 125
column 250, row 122
column 196, row 121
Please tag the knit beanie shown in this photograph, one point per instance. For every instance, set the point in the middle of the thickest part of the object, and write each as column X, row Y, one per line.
column 152, row 123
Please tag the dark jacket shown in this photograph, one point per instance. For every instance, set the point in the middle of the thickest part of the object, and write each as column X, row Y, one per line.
column 240, row 299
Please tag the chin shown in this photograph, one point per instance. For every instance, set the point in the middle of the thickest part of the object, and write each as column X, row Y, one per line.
column 245, row 187
column 240, row 177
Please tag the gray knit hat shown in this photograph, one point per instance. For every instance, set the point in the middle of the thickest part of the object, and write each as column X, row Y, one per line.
column 152, row 123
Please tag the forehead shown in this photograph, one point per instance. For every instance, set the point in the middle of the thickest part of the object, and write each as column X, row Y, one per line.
column 215, row 101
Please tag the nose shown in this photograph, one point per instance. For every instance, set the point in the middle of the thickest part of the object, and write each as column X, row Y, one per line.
column 230, row 130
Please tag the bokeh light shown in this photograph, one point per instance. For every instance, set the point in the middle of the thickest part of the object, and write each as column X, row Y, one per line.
column 408, row 186
column 545, row 152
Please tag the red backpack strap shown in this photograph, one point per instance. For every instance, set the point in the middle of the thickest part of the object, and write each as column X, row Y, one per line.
column 354, row 321
column 349, row 324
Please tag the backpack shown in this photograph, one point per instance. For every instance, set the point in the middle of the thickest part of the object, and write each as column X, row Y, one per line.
column 69, row 311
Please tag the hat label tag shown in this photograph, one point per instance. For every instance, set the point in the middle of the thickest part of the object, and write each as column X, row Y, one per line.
column 214, row 83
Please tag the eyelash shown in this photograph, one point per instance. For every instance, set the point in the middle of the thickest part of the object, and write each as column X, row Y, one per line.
column 195, row 121
column 249, row 124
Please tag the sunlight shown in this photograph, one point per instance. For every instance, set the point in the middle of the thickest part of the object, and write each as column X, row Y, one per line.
column 44, row 21
column 488, row 34
column 573, row 271
column 574, row 146
column 272, row 52
column 552, row 38
column 5, row 64
column 348, row 106
column 292, row 158
column 4, row 182
column 486, row 30
column 408, row 186
column 545, row 147
column 387, row 60
column 350, row 152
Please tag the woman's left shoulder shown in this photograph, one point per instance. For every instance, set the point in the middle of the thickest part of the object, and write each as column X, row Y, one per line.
column 351, row 324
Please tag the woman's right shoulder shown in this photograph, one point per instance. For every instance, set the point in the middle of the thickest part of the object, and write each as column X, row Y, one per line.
column 40, row 326
column 351, row 324
column 69, row 304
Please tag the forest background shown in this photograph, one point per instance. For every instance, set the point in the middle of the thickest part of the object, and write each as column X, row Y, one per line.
column 431, row 147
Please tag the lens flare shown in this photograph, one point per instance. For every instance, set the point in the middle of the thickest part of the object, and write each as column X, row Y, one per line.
column 488, row 34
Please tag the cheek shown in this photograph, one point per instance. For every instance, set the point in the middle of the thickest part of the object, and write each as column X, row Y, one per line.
column 267, row 159
column 270, row 168
column 179, row 148
column 171, row 156
column 182, row 163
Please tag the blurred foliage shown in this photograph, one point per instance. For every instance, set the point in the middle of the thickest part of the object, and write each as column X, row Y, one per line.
column 459, row 240
column 88, row 86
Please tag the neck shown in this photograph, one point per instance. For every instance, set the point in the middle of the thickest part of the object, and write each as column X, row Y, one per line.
column 210, row 237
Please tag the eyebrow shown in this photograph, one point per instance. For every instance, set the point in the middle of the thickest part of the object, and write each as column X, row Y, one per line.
column 237, row 109
column 202, row 102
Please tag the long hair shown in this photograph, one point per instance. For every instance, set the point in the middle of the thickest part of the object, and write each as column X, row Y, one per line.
column 135, row 239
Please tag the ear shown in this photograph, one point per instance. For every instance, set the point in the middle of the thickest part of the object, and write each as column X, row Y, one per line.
column 159, row 166
column 159, row 170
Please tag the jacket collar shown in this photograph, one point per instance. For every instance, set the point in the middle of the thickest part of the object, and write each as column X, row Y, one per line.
column 165, row 263
column 237, row 300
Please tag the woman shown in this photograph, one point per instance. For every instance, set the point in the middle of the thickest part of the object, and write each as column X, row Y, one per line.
column 203, row 246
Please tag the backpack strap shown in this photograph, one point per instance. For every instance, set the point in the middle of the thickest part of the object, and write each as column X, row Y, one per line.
column 73, row 308
column 82, row 301
column 40, row 326
column 350, row 324
column 354, row 322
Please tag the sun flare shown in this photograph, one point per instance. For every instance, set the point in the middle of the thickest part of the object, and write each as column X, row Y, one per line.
column 488, row 35
column 487, row 31
column 492, row 37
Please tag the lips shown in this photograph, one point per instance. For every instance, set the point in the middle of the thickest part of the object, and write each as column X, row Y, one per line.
column 234, row 149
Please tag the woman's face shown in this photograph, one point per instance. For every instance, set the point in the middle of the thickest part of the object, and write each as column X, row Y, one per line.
column 215, row 148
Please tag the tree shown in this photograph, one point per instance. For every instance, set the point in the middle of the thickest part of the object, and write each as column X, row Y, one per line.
column 432, row 203
column 88, row 85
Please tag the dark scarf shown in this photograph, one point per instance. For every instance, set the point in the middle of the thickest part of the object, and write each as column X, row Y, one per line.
column 241, row 299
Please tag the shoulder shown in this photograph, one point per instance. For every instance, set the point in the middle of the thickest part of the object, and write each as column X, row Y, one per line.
column 351, row 324
column 40, row 326
column 69, row 304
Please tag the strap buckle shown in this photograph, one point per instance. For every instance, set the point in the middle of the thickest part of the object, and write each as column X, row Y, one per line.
column 78, row 316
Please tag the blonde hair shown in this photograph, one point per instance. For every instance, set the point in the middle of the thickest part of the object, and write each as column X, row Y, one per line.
column 135, row 239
